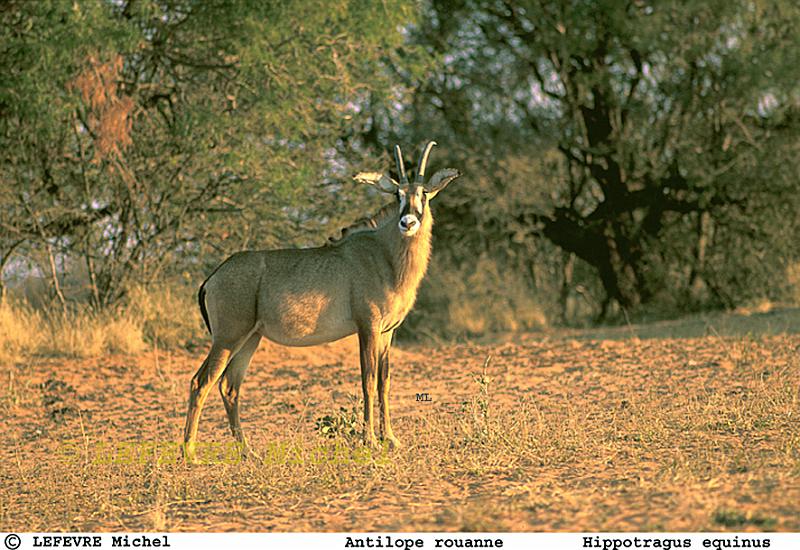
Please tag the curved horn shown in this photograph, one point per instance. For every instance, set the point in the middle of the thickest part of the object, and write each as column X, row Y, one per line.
column 401, row 169
column 423, row 162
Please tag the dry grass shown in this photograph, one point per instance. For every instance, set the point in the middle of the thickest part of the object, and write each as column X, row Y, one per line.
column 162, row 316
column 168, row 314
column 553, row 433
column 487, row 301
column 25, row 331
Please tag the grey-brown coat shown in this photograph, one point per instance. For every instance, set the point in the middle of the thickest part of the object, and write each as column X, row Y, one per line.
column 365, row 282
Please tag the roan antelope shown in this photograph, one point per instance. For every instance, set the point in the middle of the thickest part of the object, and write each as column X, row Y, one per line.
column 365, row 282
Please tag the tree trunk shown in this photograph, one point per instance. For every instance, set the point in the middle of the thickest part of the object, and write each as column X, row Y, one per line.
column 567, row 272
column 54, row 277
column 697, row 286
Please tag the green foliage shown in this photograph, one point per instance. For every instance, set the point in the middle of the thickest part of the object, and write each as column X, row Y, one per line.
column 139, row 136
column 654, row 143
column 617, row 156
column 342, row 424
column 732, row 518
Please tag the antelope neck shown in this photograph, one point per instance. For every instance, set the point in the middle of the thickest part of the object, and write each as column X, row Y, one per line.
column 409, row 255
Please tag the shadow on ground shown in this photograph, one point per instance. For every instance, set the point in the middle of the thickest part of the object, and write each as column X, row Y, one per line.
column 768, row 323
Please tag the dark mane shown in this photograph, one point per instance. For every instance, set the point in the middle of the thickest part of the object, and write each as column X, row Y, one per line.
column 370, row 223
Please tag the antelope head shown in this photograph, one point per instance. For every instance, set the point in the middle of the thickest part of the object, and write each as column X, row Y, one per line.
column 412, row 197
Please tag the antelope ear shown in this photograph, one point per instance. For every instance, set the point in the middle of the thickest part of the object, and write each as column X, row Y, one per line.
column 440, row 180
column 382, row 181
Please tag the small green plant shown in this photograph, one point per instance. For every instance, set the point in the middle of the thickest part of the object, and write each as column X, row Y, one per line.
column 734, row 518
column 342, row 424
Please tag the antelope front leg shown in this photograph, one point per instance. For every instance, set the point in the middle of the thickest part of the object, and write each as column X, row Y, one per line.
column 368, row 342
column 384, row 379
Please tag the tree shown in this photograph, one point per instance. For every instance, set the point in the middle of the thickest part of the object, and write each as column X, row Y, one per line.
column 141, row 135
column 651, row 137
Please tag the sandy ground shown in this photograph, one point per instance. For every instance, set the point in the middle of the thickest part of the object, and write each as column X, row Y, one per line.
column 558, row 432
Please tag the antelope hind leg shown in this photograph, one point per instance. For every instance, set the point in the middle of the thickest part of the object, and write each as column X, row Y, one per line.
column 208, row 373
column 229, row 385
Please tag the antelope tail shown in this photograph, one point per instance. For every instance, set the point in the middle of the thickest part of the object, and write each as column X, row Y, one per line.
column 201, row 299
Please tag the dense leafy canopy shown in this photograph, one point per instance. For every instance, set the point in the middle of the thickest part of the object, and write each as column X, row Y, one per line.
column 135, row 134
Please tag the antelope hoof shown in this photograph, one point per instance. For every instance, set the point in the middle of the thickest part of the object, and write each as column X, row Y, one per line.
column 394, row 443
column 372, row 443
column 189, row 453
